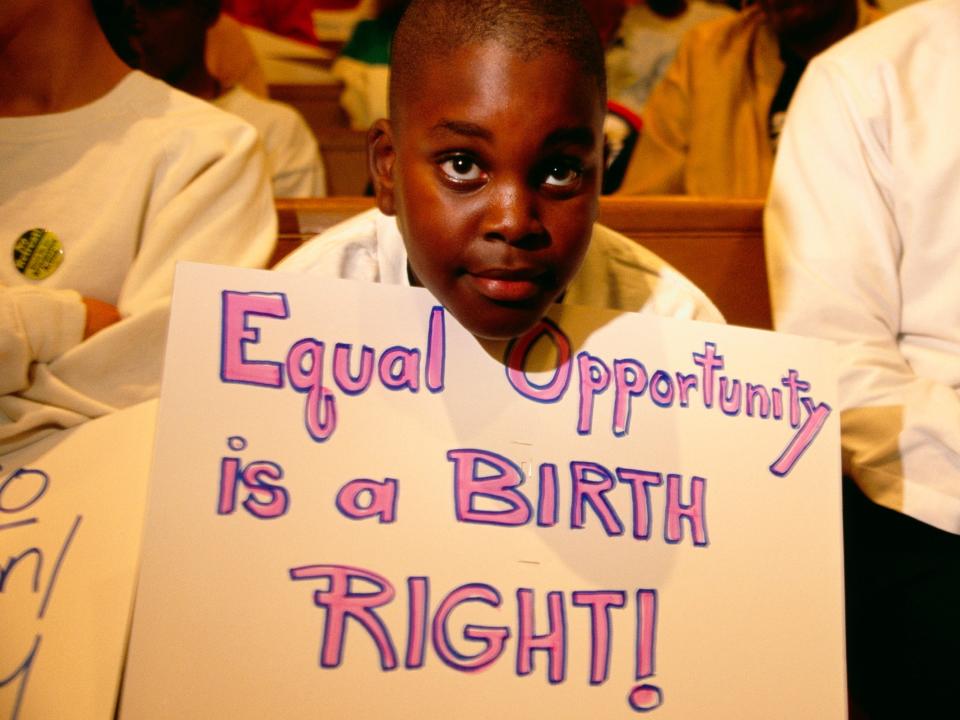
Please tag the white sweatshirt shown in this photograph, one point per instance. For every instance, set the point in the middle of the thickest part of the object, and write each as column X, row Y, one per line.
column 129, row 184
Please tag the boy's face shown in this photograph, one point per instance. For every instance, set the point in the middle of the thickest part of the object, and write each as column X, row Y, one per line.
column 493, row 170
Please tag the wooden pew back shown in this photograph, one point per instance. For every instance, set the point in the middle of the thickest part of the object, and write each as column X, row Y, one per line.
column 718, row 244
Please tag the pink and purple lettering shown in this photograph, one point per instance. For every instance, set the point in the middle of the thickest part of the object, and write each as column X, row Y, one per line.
column 350, row 384
column 498, row 487
column 380, row 499
column 547, row 510
column 662, row 389
column 630, row 381
column 436, row 350
column 640, row 482
column 730, row 396
column 795, row 385
column 599, row 602
column 710, row 362
column 320, row 410
column 264, row 500
column 685, row 383
column 755, row 394
column 493, row 638
column 341, row 603
column 553, row 642
column 804, row 437
column 399, row 368
column 516, row 361
column 644, row 697
column 777, row 398
column 418, row 592
column 694, row 513
column 593, row 492
column 594, row 379
column 236, row 334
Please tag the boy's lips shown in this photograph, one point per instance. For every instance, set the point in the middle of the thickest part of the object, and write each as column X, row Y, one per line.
column 511, row 286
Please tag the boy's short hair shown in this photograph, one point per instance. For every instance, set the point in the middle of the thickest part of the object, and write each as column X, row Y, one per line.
column 432, row 28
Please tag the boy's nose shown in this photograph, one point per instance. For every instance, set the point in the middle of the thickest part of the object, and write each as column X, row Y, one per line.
column 512, row 215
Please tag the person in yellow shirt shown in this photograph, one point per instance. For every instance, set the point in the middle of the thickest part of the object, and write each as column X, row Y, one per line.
column 710, row 126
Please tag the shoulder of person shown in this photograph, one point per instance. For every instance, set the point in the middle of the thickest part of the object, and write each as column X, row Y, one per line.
column 325, row 254
column 646, row 282
column 174, row 113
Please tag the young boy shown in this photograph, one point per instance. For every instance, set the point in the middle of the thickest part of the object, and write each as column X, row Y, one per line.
column 488, row 173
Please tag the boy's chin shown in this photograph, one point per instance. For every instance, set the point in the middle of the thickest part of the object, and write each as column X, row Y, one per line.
column 502, row 325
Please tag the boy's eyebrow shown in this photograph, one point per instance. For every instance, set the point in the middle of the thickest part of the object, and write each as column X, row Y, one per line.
column 461, row 127
column 581, row 135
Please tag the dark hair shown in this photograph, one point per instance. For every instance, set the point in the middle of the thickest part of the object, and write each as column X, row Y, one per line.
column 431, row 28
column 115, row 20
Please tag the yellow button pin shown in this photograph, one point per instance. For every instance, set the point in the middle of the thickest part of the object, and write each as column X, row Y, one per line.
column 37, row 253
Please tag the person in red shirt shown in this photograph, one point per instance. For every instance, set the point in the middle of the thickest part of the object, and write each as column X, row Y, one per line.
column 290, row 18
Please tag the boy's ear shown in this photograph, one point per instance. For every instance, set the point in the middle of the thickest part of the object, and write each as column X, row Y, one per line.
column 381, row 156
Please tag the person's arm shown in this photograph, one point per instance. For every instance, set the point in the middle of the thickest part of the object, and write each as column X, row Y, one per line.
column 658, row 165
column 36, row 325
column 212, row 203
column 834, row 253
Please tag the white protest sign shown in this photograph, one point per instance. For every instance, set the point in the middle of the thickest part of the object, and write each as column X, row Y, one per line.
column 358, row 510
column 71, row 513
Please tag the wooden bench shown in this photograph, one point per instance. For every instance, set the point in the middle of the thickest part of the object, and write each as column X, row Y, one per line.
column 718, row 244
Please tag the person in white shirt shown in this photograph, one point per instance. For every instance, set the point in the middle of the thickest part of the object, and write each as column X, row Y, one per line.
column 862, row 245
column 109, row 177
column 168, row 41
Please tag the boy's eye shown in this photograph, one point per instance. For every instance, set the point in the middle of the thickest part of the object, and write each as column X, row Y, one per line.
column 461, row 168
column 561, row 175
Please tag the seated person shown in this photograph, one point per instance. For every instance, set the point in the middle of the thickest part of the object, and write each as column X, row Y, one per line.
column 168, row 40
column 646, row 44
column 621, row 126
column 230, row 56
column 231, row 59
column 861, row 232
column 289, row 18
column 710, row 125
column 487, row 174
column 109, row 177
column 363, row 65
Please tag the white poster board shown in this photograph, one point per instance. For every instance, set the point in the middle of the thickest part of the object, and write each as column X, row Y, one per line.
column 357, row 510
column 71, row 513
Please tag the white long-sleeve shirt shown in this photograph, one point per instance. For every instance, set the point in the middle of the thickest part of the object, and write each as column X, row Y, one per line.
column 863, row 246
column 130, row 183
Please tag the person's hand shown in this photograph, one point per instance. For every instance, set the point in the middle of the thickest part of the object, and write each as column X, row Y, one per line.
column 99, row 316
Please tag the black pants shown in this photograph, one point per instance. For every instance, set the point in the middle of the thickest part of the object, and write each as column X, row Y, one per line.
column 903, row 613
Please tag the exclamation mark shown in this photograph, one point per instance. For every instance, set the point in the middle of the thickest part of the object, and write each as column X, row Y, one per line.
column 643, row 697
